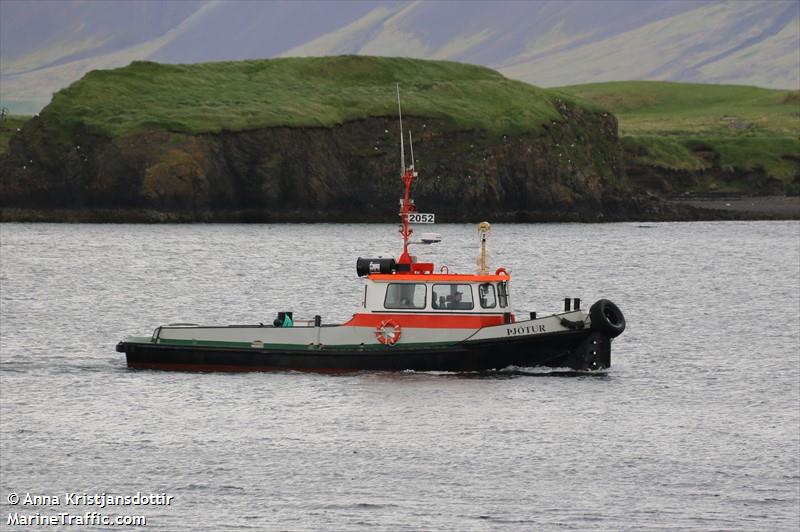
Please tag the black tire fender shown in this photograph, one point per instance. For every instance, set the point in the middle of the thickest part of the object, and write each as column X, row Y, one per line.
column 607, row 318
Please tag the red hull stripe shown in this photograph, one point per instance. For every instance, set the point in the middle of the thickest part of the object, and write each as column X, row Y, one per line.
column 430, row 321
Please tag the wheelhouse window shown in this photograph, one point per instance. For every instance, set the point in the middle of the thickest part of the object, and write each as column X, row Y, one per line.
column 502, row 293
column 405, row 295
column 486, row 295
column 452, row 297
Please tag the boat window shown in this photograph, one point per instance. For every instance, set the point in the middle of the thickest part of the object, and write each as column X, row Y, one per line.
column 486, row 295
column 502, row 293
column 452, row 297
column 405, row 295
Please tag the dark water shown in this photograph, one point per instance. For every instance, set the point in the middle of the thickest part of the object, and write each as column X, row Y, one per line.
column 696, row 426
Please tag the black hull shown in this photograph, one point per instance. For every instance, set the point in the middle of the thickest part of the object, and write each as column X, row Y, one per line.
column 578, row 350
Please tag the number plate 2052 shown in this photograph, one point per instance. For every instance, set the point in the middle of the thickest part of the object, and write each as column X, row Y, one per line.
column 420, row 218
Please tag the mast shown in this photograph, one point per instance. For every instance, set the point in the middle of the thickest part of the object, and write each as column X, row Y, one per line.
column 483, row 231
column 407, row 176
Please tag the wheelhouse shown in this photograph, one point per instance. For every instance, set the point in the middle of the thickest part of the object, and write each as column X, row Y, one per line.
column 437, row 293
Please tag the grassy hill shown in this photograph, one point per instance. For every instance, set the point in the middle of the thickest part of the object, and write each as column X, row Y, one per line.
column 665, row 108
column 671, row 126
column 315, row 139
column 274, row 138
column 687, row 126
column 8, row 127
column 243, row 95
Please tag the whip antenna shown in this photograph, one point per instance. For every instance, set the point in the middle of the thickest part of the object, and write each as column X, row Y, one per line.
column 411, row 144
column 402, row 148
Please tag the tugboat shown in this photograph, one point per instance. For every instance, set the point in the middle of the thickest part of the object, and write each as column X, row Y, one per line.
column 412, row 318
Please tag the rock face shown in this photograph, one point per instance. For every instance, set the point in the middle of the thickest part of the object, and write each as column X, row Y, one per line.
column 571, row 170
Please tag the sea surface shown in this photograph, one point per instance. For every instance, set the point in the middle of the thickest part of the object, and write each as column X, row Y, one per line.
column 695, row 427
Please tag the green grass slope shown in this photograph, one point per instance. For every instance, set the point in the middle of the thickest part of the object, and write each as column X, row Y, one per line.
column 8, row 126
column 210, row 97
column 676, row 125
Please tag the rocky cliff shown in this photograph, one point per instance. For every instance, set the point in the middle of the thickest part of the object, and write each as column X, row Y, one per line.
column 571, row 170
column 568, row 166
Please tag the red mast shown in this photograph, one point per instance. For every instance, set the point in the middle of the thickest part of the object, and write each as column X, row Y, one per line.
column 407, row 175
column 407, row 205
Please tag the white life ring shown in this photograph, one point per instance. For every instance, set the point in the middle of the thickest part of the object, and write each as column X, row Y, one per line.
column 388, row 332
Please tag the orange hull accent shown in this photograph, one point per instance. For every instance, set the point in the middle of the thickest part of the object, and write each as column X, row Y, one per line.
column 427, row 321
column 445, row 277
